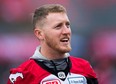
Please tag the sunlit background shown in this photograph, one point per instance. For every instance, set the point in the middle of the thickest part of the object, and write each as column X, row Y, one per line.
column 93, row 24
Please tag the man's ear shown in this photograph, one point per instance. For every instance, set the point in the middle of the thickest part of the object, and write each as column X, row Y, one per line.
column 38, row 32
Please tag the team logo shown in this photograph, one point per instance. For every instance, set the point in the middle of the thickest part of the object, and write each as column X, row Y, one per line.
column 77, row 80
column 13, row 77
column 51, row 82
column 61, row 75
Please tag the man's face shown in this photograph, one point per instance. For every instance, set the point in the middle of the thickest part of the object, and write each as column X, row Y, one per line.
column 57, row 32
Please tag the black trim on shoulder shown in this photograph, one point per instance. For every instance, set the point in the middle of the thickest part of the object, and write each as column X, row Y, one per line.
column 92, row 80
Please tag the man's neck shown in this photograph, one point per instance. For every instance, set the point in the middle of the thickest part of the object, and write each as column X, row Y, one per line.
column 51, row 54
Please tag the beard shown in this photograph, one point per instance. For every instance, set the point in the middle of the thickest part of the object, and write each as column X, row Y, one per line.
column 53, row 44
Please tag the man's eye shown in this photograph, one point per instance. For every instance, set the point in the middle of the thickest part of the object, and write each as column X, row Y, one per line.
column 58, row 26
column 68, row 25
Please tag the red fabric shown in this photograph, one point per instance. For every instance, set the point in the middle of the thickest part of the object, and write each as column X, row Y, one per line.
column 33, row 73
column 81, row 66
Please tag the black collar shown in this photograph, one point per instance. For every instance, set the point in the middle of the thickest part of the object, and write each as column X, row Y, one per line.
column 59, row 68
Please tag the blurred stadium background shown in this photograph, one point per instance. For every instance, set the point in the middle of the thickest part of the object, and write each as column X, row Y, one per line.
column 93, row 24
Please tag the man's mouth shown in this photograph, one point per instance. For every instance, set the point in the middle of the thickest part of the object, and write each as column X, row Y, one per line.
column 64, row 40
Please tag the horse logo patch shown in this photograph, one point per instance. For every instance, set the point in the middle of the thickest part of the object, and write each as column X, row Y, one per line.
column 13, row 77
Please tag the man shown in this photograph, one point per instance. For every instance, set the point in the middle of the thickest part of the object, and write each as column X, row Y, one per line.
column 51, row 62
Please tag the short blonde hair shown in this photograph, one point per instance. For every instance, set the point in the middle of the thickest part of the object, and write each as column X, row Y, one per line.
column 41, row 13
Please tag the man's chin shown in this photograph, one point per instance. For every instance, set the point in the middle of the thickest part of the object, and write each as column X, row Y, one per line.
column 65, row 50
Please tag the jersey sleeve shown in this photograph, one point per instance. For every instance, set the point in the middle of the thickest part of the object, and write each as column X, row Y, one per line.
column 91, row 75
column 18, row 76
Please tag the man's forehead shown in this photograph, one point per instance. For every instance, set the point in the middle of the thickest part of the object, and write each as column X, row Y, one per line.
column 57, row 16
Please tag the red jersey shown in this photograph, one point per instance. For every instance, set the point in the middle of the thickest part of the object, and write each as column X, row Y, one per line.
column 31, row 72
